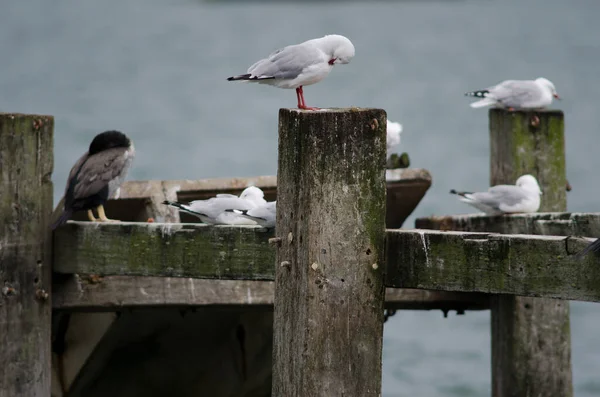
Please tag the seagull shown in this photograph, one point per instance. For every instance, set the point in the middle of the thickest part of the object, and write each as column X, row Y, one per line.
column 517, row 94
column 393, row 134
column 301, row 64
column 213, row 211
column 506, row 199
column 264, row 215
column 97, row 176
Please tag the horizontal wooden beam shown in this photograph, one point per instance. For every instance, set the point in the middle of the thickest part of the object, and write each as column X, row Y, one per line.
column 526, row 265
column 110, row 293
column 164, row 249
column 541, row 223
column 446, row 261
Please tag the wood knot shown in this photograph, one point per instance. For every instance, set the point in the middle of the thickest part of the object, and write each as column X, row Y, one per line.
column 94, row 279
column 37, row 124
column 534, row 121
column 374, row 124
column 276, row 241
column 41, row 294
column 8, row 290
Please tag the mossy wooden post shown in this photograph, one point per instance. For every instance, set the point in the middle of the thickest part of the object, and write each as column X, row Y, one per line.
column 531, row 350
column 329, row 292
column 25, row 206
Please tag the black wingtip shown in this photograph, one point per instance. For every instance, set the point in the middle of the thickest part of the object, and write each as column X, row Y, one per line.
column 230, row 78
column 453, row 191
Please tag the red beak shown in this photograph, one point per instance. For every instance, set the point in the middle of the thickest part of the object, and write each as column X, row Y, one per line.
column 556, row 96
column 331, row 61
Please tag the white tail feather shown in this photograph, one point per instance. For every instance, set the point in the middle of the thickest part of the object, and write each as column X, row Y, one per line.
column 484, row 102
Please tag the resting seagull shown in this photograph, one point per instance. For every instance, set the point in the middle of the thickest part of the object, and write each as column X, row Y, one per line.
column 264, row 215
column 213, row 210
column 97, row 176
column 299, row 65
column 517, row 94
column 506, row 199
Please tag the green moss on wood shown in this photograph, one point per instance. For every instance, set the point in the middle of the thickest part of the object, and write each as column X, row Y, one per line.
column 492, row 263
column 177, row 250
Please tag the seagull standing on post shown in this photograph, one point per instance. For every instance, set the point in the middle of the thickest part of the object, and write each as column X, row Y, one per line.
column 517, row 94
column 299, row 65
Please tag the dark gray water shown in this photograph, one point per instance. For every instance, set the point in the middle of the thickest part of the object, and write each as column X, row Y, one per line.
column 156, row 70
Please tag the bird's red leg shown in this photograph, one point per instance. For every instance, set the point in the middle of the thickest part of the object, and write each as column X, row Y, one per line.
column 302, row 105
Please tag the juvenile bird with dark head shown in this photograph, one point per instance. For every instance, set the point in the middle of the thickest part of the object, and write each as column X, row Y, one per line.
column 97, row 176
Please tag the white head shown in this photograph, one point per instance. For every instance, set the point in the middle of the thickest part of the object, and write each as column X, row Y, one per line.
column 252, row 193
column 528, row 182
column 549, row 85
column 339, row 48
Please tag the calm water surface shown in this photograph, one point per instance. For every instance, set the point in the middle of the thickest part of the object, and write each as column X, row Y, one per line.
column 156, row 70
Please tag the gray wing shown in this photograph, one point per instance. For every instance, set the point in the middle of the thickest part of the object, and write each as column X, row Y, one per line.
column 505, row 195
column 97, row 171
column 286, row 63
column 516, row 93
column 73, row 172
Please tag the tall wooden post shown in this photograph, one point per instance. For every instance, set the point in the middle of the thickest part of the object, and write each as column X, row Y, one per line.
column 531, row 350
column 25, row 205
column 329, row 292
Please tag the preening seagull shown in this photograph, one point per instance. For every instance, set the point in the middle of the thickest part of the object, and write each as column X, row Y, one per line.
column 264, row 215
column 301, row 64
column 506, row 199
column 213, row 211
column 97, row 176
column 517, row 94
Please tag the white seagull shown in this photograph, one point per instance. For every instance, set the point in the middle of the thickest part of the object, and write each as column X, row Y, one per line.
column 506, row 199
column 393, row 134
column 264, row 215
column 302, row 64
column 517, row 94
column 213, row 211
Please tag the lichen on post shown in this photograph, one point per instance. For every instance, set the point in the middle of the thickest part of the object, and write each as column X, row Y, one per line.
column 26, row 163
column 329, row 290
column 531, row 350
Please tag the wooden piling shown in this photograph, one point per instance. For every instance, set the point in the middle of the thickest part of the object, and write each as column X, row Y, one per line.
column 531, row 351
column 329, row 291
column 26, row 163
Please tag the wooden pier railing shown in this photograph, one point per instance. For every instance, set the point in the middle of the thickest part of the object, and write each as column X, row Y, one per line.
column 327, row 269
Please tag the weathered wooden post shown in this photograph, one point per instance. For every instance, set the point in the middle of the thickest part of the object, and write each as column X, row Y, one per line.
column 25, row 205
column 531, row 351
column 329, row 292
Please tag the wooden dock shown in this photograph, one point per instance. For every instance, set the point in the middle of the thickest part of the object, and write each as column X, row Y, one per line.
column 171, row 308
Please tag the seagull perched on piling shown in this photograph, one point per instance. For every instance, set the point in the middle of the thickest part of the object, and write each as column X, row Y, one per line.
column 524, row 197
column 301, row 64
column 97, row 176
column 517, row 94
column 214, row 210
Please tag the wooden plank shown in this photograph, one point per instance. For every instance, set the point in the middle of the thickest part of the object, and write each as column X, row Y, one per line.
column 531, row 347
column 492, row 263
column 544, row 223
column 158, row 249
column 329, row 292
column 25, row 205
column 110, row 293
column 243, row 253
